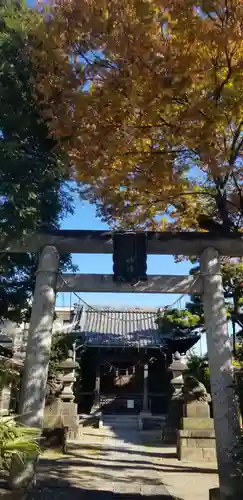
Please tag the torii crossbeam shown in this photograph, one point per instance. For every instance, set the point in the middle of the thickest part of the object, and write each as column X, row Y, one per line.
column 82, row 241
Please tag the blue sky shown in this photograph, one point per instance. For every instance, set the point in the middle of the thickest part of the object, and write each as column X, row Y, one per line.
column 84, row 218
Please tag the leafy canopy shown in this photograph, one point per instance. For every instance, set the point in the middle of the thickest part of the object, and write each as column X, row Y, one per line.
column 232, row 278
column 32, row 193
column 178, row 321
column 146, row 99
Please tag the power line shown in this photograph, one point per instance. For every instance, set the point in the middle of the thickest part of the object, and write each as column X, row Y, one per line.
column 152, row 315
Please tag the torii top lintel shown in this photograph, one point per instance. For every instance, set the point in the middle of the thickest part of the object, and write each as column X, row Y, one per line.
column 101, row 242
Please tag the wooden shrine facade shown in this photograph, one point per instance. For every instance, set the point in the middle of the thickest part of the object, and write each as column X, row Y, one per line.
column 130, row 358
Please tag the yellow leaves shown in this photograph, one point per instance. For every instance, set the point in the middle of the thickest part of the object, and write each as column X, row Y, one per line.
column 163, row 90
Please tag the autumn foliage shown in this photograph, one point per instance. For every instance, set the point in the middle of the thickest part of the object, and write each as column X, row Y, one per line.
column 146, row 96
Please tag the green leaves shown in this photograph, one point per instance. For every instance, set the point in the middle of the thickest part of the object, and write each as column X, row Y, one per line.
column 178, row 321
column 32, row 193
column 59, row 352
column 17, row 440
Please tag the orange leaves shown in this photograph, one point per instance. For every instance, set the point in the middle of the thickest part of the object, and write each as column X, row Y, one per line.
column 145, row 91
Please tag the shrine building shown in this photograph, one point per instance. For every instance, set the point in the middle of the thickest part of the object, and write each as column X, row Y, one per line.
column 124, row 359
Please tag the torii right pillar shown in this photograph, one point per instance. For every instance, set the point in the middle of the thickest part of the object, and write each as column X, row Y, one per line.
column 225, row 409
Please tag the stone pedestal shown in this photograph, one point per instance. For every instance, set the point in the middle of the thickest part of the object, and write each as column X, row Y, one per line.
column 61, row 415
column 54, row 432
column 196, row 438
column 53, row 415
column 196, row 409
column 70, row 418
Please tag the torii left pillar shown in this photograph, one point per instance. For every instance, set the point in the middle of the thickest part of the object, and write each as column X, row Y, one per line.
column 33, row 387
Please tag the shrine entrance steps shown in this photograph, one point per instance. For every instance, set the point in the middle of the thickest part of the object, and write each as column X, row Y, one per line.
column 113, row 422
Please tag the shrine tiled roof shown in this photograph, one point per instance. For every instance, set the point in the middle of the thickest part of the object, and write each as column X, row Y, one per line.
column 129, row 327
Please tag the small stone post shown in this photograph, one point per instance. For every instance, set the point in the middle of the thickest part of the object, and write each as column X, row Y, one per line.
column 145, row 413
column 33, row 387
column 96, row 405
column 221, row 371
column 145, row 388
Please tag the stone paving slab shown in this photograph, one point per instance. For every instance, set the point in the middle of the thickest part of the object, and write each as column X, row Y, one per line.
column 120, row 466
column 73, row 494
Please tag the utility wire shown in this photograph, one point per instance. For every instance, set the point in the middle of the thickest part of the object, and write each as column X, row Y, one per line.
column 106, row 314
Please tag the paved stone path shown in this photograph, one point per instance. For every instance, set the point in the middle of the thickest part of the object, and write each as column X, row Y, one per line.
column 108, row 468
column 111, row 466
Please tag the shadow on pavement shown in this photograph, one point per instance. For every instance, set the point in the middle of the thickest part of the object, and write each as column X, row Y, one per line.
column 110, row 469
column 63, row 492
column 140, row 464
column 82, row 454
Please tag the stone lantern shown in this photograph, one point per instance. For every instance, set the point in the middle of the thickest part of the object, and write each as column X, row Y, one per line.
column 177, row 367
column 175, row 413
column 67, row 368
column 69, row 408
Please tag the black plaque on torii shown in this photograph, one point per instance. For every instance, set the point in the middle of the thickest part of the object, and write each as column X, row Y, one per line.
column 129, row 257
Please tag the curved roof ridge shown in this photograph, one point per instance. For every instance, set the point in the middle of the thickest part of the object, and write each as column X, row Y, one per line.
column 123, row 309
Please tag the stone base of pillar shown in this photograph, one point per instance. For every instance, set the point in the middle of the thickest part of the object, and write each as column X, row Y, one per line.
column 95, row 410
column 196, row 438
column 97, row 416
column 143, row 416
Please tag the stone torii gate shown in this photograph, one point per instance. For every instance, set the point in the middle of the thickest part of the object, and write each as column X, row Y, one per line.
column 207, row 246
